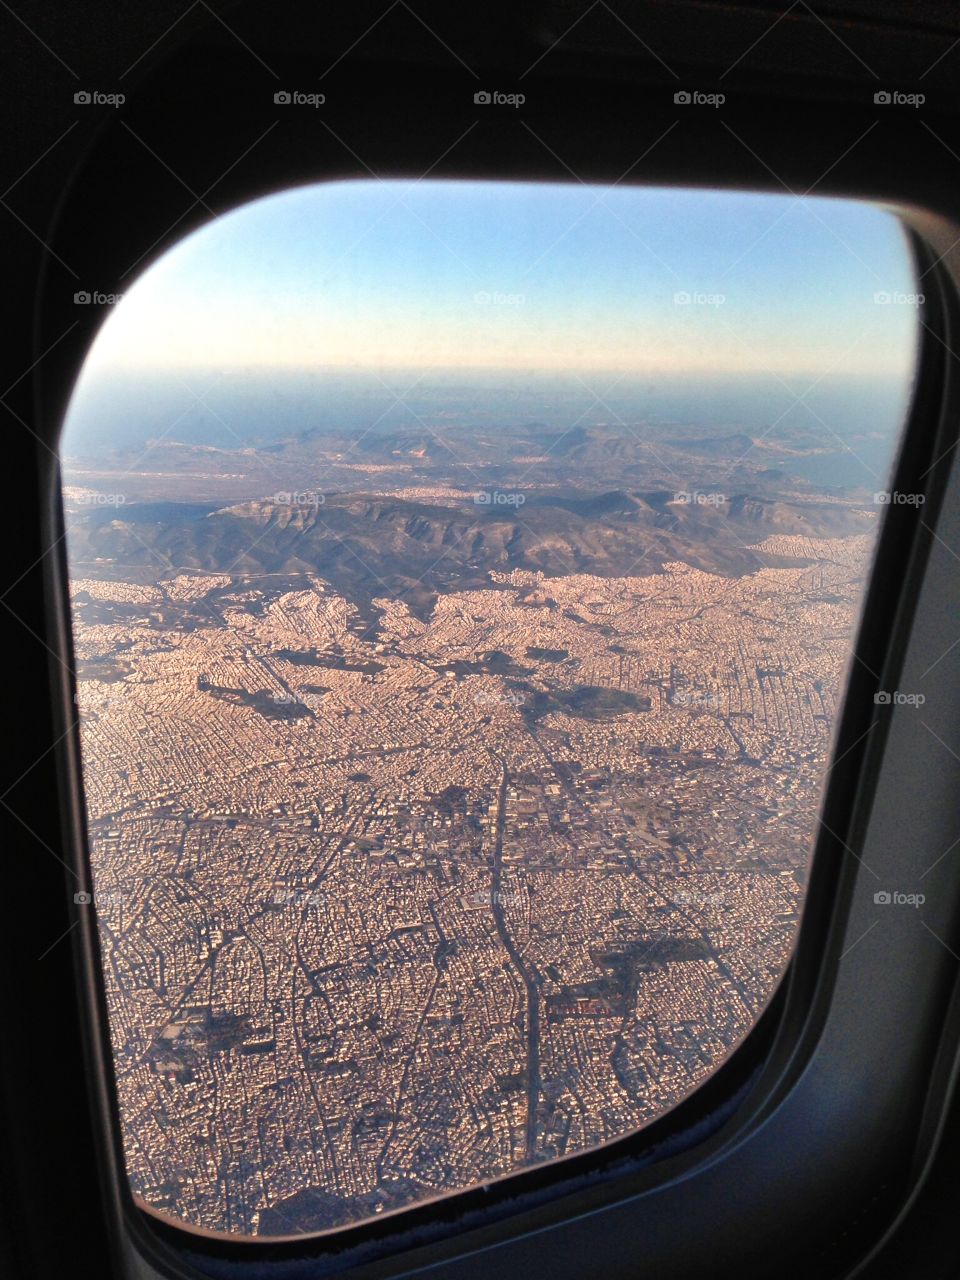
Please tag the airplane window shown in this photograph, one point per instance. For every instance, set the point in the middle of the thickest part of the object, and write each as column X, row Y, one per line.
column 463, row 579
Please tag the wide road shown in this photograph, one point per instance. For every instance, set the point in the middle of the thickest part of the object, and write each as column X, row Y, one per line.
column 526, row 976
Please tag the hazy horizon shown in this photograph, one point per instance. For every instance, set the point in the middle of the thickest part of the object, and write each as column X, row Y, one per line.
column 231, row 410
column 524, row 275
column 366, row 306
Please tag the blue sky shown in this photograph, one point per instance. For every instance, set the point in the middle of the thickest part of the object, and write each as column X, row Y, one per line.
column 444, row 275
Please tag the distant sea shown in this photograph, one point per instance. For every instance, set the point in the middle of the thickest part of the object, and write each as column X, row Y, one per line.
column 235, row 408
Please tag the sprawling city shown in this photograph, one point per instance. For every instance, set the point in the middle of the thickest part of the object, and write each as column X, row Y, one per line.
column 450, row 821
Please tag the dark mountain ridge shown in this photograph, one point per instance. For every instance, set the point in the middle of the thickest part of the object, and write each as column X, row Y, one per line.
column 370, row 545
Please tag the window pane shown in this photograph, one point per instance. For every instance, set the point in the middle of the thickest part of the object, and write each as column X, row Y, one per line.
column 464, row 578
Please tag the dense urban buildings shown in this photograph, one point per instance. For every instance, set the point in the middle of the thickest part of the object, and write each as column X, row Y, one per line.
column 440, row 829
